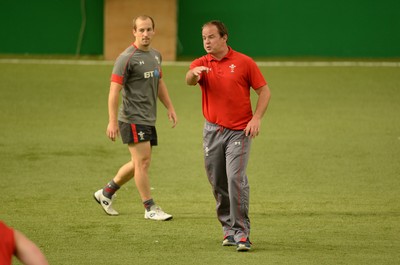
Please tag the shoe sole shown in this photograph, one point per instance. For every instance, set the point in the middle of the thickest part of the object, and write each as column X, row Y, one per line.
column 228, row 244
column 169, row 218
column 242, row 248
column 98, row 201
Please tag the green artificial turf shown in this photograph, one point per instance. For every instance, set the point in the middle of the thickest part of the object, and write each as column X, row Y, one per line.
column 324, row 172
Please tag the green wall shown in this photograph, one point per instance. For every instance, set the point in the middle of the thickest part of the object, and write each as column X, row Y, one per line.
column 51, row 27
column 260, row 28
column 283, row 28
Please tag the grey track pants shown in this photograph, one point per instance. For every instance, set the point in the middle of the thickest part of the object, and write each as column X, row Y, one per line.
column 226, row 154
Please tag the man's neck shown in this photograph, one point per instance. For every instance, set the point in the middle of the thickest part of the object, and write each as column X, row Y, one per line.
column 141, row 47
column 220, row 55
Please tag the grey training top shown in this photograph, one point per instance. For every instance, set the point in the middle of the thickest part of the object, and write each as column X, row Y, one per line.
column 139, row 73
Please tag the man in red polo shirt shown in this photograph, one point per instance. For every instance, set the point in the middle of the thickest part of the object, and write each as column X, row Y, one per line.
column 13, row 242
column 225, row 78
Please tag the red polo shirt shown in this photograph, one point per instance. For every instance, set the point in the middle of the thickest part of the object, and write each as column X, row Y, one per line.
column 7, row 244
column 226, row 88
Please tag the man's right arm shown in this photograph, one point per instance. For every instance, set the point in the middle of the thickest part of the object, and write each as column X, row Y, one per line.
column 113, row 97
column 193, row 75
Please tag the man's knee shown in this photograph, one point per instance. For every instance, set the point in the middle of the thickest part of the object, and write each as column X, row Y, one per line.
column 142, row 163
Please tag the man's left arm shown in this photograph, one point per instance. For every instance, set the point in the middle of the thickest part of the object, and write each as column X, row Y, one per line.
column 166, row 100
column 253, row 127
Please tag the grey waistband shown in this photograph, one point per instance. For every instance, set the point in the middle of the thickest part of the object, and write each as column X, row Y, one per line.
column 213, row 124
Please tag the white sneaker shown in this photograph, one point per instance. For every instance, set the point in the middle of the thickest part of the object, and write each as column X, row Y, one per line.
column 157, row 214
column 105, row 202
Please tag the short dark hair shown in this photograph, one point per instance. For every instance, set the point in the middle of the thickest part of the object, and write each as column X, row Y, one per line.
column 143, row 17
column 222, row 30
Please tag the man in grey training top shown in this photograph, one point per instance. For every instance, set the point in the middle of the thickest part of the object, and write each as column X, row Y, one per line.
column 137, row 73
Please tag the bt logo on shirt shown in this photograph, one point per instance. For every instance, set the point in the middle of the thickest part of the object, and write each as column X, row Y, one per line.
column 155, row 73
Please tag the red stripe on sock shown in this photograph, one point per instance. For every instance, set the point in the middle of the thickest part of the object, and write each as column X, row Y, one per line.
column 110, row 190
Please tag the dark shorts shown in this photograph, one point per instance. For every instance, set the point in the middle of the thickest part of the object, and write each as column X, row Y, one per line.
column 136, row 133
